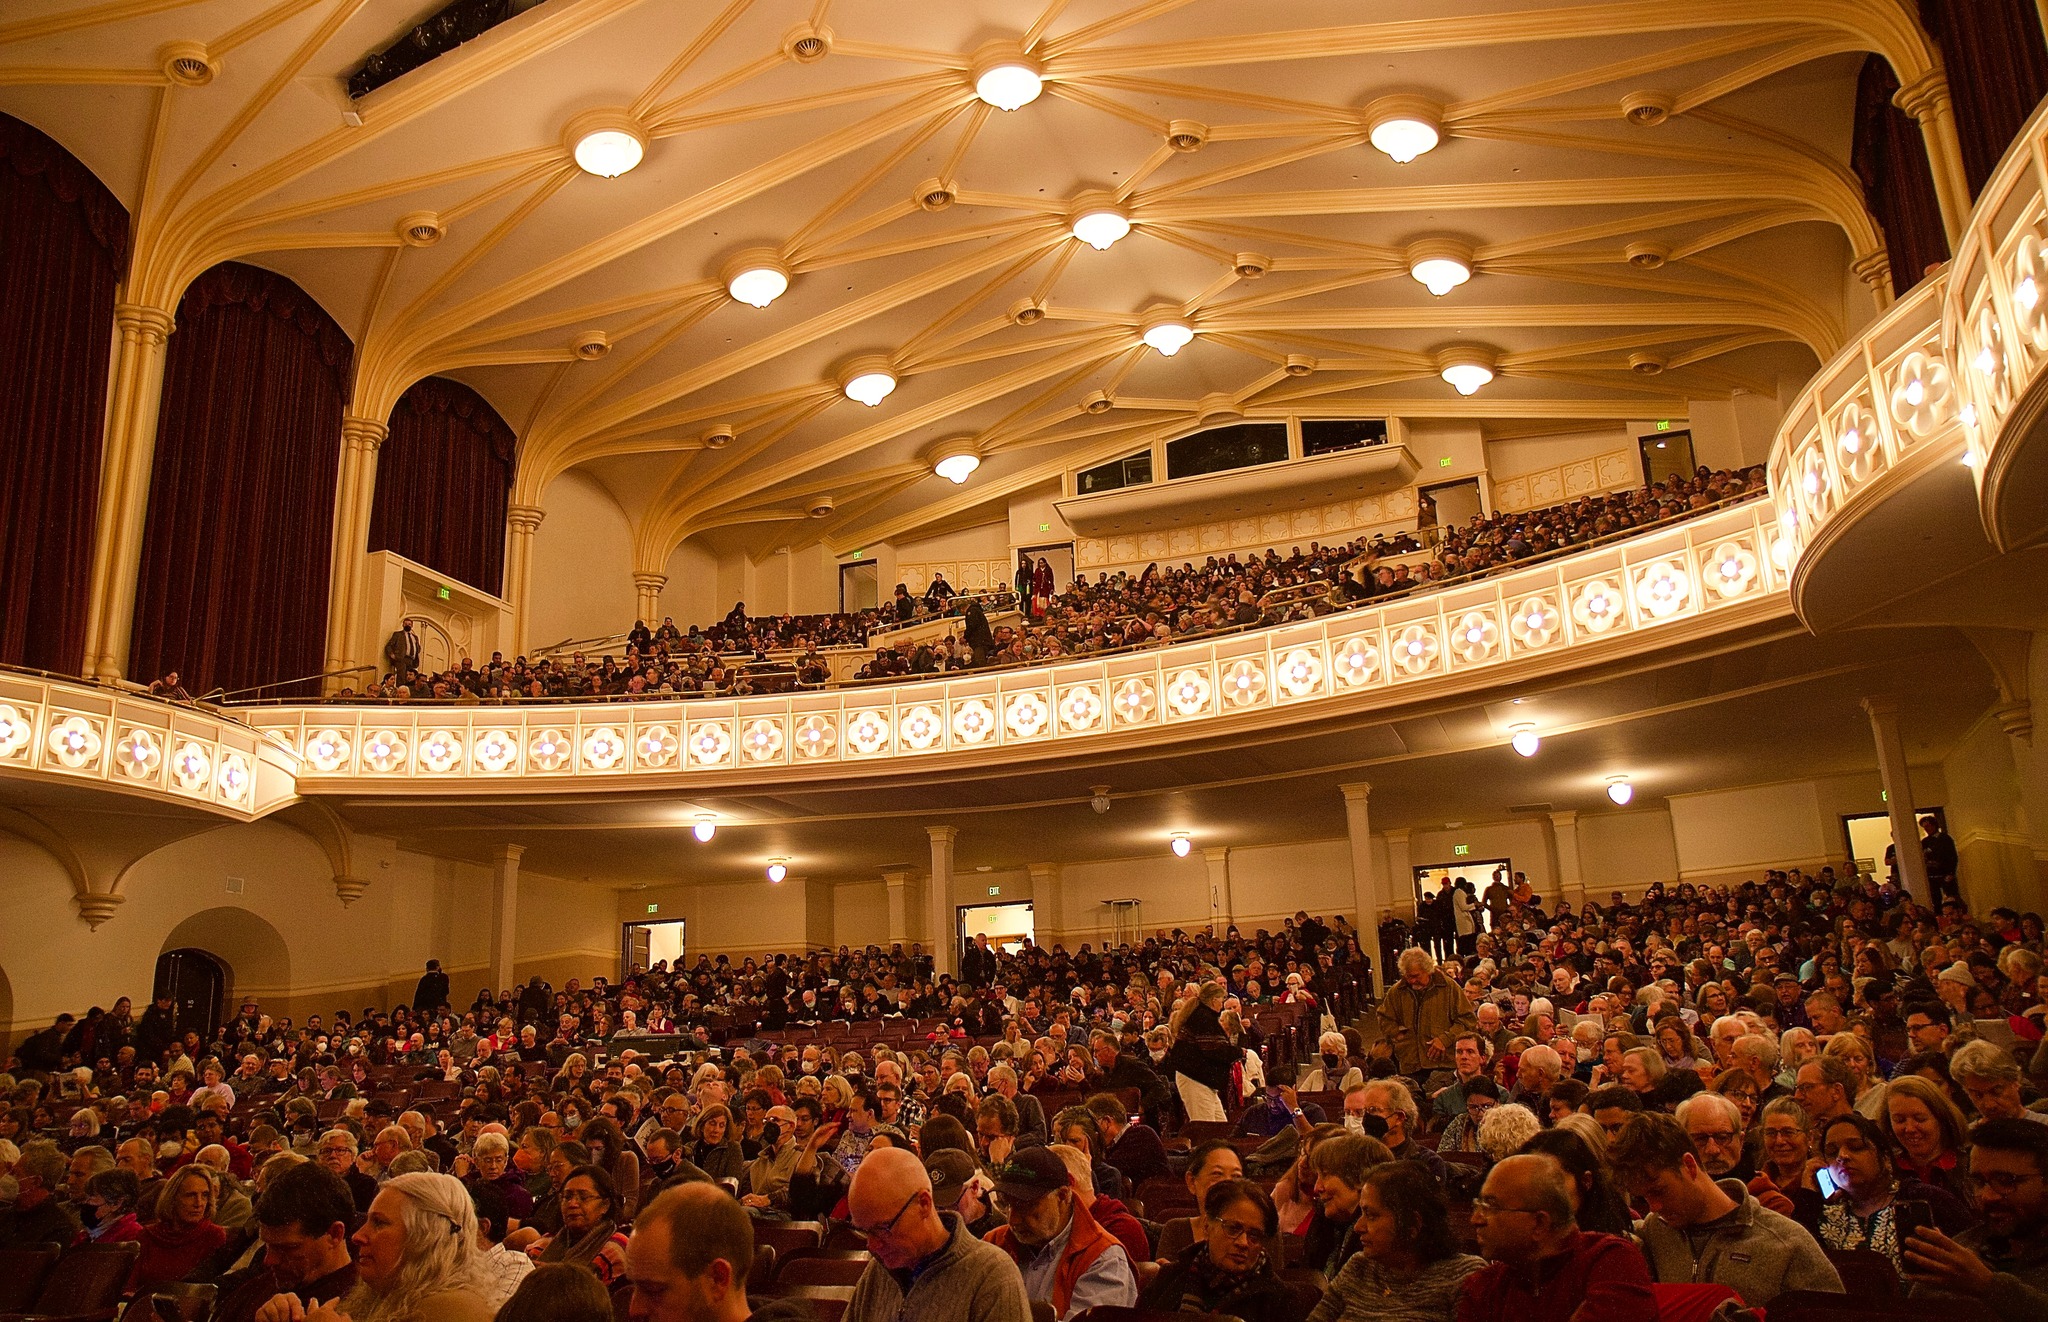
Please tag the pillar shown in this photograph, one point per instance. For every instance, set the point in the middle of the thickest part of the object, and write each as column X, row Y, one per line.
column 355, row 490
column 1400, row 889
column 941, row 924
column 135, row 388
column 1571, row 875
column 1898, row 794
column 504, row 913
column 647, row 593
column 1048, row 904
column 1222, row 907
column 521, row 522
column 1368, row 888
column 1875, row 270
column 1926, row 100
column 898, row 883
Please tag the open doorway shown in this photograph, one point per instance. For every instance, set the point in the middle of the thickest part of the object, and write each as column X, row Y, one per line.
column 1058, row 556
column 643, row 945
column 1454, row 503
column 1484, row 874
column 1666, row 454
column 860, row 586
column 1869, row 838
column 197, row 985
column 1007, row 926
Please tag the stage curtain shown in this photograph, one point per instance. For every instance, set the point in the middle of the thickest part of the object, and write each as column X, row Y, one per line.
column 1997, row 64
column 443, row 477
column 233, row 586
column 63, row 248
column 1890, row 160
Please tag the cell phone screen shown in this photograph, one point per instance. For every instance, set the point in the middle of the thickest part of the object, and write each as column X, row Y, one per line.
column 1826, row 1179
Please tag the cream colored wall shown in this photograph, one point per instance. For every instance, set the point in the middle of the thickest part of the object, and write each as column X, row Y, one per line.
column 582, row 585
column 860, row 915
column 287, row 939
column 1029, row 509
column 1626, row 850
column 691, row 594
column 1528, row 454
column 1989, row 822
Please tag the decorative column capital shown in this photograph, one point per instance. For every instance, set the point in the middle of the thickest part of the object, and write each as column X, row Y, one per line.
column 507, row 855
column 366, row 434
column 942, row 834
column 1874, row 268
column 1216, row 854
column 1880, row 707
column 2016, row 719
column 349, row 889
column 143, row 321
column 649, row 582
column 96, row 907
column 897, row 878
column 1564, row 818
column 524, row 518
column 1357, row 792
column 1926, row 97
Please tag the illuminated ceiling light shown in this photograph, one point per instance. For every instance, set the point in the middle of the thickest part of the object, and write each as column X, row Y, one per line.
column 777, row 869
column 607, row 143
column 1440, row 265
column 1007, row 78
column 1404, row 127
column 706, row 827
column 1526, row 741
column 1181, row 844
column 869, row 381
column 1099, row 225
column 1168, row 332
column 756, row 278
column 1619, row 790
column 1466, row 367
column 956, row 461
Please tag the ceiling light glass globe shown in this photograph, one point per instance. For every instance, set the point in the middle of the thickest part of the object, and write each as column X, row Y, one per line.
column 608, row 153
column 1169, row 337
column 1466, row 378
column 1100, row 229
column 1440, row 275
column 957, row 468
column 776, row 872
column 1181, row 846
column 1404, row 139
column 870, row 388
column 704, row 830
column 1526, row 742
column 1009, row 86
column 1620, row 790
column 759, row 286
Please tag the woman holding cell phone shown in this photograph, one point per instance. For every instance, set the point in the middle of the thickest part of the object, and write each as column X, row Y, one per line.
column 1868, row 1205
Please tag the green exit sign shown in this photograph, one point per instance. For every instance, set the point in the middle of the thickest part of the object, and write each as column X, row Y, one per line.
column 1045, row 527
column 1444, row 462
column 1461, row 851
column 1664, row 425
column 995, row 890
column 443, row 593
column 654, row 908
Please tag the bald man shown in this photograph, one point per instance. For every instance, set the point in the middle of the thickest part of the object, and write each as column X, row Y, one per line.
column 953, row 1277
column 1541, row 1266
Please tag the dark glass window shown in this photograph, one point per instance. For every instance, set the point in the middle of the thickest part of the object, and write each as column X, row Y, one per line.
column 1133, row 470
column 1222, row 448
column 1330, row 435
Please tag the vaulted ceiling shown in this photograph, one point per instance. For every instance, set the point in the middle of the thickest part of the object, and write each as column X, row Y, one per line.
column 1654, row 197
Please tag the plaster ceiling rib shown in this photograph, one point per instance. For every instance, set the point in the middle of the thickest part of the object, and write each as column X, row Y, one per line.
column 1047, row 16
column 79, row 75
column 688, row 316
column 658, row 533
column 51, row 25
column 521, row 165
column 235, row 38
column 1052, row 48
column 932, row 338
column 797, row 105
column 643, row 107
column 805, row 236
column 1737, row 41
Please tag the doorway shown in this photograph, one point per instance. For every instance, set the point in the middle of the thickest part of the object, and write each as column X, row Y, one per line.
column 1484, row 874
column 1007, row 926
column 1457, row 503
column 860, row 586
column 1058, row 555
column 643, row 945
column 1666, row 454
column 1868, row 835
column 197, row 985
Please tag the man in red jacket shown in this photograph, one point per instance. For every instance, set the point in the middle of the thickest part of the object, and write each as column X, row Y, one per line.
column 1066, row 1259
column 1542, row 1267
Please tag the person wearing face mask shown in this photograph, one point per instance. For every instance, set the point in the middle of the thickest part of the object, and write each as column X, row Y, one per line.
column 1331, row 1070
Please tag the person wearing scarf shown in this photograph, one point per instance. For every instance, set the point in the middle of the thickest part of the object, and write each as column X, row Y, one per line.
column 184, row 1234
column 1229, row 1271
column 590, row 1235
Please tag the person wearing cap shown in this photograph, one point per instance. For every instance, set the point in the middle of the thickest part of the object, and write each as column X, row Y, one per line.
column 952, row 1173
column 1067, row 1259
column 925, row 1267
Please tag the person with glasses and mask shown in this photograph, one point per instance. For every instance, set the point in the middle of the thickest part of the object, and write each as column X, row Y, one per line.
column 2002, row 1263
column 924, row 1267
column 1540, row 1266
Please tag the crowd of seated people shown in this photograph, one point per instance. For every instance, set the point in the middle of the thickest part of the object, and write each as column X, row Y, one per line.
column 1152, row 608
column 1766, row 1094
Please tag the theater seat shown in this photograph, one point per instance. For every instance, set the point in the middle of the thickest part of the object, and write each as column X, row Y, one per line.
column 85, row 1285
column 1866, row 1273
column 22, row 1272
column 826, row 1302
column 813, row 1269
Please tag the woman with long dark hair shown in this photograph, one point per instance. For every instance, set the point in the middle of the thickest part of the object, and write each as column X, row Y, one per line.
column 1407, row 1264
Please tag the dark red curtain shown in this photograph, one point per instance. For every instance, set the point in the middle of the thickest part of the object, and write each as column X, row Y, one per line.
column 233, row 586
column 63, row 247
column 1997, row 63
column 443, row 476
column 1890, row 160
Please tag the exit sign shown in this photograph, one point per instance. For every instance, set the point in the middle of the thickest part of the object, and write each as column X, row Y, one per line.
column 443, row 593
column 654, row 908
column 1664, row 425
column 1461, row 851
column 1444, row 462
column 1045, row 527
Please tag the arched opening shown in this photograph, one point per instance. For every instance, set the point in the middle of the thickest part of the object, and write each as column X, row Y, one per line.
column 196, row 983
column 246, row 954
column 6, row 1013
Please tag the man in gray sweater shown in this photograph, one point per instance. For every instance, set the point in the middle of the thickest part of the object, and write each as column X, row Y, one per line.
column 926, row 1267
column 1701, row 1230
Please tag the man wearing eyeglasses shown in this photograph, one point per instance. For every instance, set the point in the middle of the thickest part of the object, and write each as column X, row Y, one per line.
column 925, row 1266
column 1541, row 1266
column 1066, row 1257
column 2003, row 1263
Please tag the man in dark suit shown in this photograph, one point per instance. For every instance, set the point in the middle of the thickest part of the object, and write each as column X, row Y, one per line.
column 402, row 651
column 978, row 964
column 432, row 992
column 1938, row 853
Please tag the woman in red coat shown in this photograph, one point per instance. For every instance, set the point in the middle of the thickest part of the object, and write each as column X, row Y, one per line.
column 184, row 1234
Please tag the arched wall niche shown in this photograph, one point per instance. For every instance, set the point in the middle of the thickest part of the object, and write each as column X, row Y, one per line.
column 254, row 953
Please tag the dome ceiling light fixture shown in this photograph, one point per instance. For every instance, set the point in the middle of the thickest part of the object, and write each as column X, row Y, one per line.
column 706, row 827
column 1466, row 367
column 1619, row 790
column 1440, row 265
column 1404, row 126
column 1005, row 77
column 778, row 868
column 1181, row 844
column 1167, row 332
column 1099, row 224
column 607, row 143
column 757, row 278
column 956, row 461
column 868, row 381
column 1526, row 741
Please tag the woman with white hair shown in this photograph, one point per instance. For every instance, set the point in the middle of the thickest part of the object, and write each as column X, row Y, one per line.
column 1330, row 1071
column 417, row 1258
